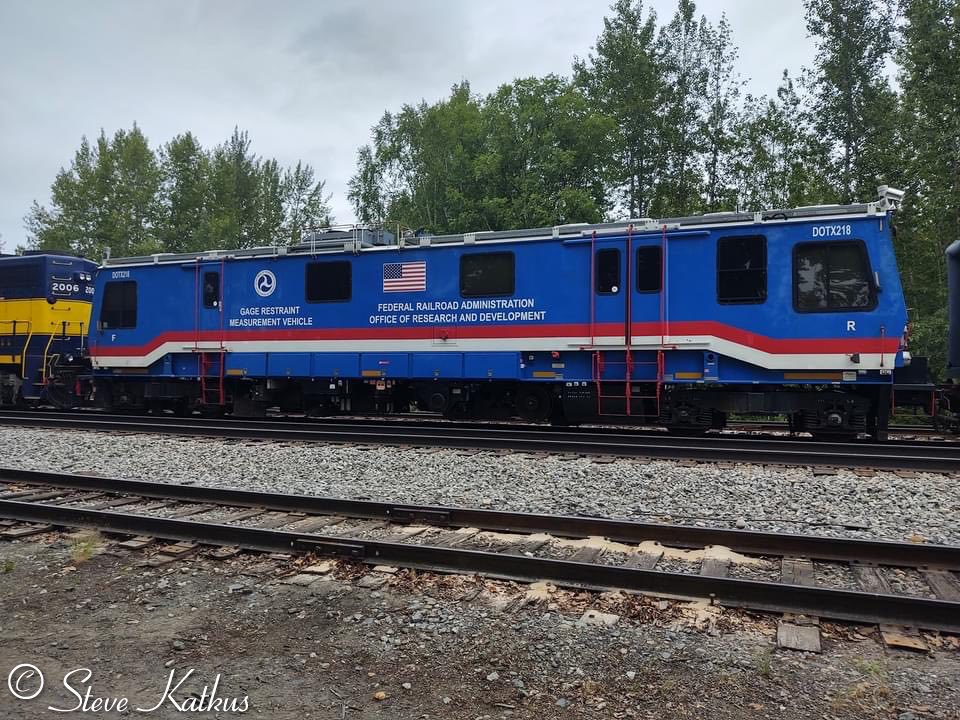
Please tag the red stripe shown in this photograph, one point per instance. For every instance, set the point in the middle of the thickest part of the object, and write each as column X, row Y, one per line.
column 774, row 346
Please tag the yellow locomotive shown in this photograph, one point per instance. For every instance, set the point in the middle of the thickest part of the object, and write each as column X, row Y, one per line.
column 45, row 305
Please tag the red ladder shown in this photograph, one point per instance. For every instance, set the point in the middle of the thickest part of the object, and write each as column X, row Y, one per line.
column 599, row 363
column 211, row 369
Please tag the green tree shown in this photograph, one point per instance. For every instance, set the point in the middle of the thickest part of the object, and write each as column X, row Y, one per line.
column 234, row 185
column 685, row 44
column 304, row 203
column 184, row 194
column 777, row 159
column 543, row 156
column 851, row 96
column 722, row 102
column 624, row 79
column 108, row 198
column 929, row 57
column 119, row 194
column 531, row 153
column 423, row 158
column 366, row 189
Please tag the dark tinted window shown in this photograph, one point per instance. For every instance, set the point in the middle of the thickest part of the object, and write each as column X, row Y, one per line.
column 20, row 279
column 832, row 276
column 211, row 289
column 329, row 281
column 487, row 274
column 608, row 271
column 119, row 309
column 742, row 270
column 648, row 269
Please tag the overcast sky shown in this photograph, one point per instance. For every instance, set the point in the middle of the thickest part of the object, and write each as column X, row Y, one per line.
column 306, row 79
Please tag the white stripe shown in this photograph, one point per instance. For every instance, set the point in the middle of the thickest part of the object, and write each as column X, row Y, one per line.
column 727, row 348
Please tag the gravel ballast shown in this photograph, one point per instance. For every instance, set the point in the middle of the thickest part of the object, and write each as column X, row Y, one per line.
column 923, row 508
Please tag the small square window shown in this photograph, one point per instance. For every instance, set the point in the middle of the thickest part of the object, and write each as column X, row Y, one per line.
column 487, row 274
column 329, row 281
column 742, row 270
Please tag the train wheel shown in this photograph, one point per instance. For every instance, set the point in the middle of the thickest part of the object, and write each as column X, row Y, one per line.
column 182, row 407
column 60, row 394
column 533, row 403
column 458, row 410
column 213, row 411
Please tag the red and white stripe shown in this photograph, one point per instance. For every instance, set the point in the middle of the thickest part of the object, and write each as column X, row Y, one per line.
column 759, row 350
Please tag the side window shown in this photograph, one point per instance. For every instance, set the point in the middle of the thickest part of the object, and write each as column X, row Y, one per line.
column 741, row 270
column 329, row 281
column 486, row 274
column 649, row 271
column 211, row 289
column 119, row 308
column 608, row 271
column 21, row 278
column 828, row 277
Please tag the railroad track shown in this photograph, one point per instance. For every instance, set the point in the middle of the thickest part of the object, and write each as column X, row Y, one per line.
column 735, row 568
column 924, row 430
column 929, row 456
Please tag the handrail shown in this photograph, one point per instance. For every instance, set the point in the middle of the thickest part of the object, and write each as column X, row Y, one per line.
column 15, row 324
column 26, row 351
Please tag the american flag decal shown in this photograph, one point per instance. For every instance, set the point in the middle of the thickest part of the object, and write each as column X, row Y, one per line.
column 405, row 276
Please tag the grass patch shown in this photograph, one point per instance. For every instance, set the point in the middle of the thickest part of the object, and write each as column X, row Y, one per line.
column 85, row 546
column 7, row 566
column 763, row 659
column 876, row 669
column 862, row 698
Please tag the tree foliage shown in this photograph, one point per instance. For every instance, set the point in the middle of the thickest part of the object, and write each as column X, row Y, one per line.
column 119, row 193
column 531, row 153
column 929, row 59
column 623, row 78
column 851, row 97
column 776, row 159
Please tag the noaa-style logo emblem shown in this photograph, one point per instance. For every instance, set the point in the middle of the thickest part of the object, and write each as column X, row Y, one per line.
column 265, row 283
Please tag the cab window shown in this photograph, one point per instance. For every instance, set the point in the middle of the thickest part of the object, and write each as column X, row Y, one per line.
column 829, row 277
column 119, row 309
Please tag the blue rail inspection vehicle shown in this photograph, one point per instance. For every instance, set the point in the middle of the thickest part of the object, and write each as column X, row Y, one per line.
column 677, row 322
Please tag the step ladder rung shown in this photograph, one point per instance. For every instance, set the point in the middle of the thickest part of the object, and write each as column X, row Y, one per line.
column 212, row 369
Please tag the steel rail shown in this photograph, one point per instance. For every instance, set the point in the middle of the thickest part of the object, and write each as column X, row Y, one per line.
column 936, row 458
column 879, row 552
column 781, row 426
column 427, row 421
column 847, row 605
